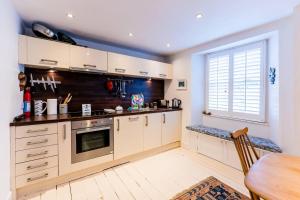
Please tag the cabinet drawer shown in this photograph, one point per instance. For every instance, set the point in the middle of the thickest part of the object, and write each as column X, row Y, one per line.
column 36, row 177
column 38, row 153
column 35, row 130
column 36, row 165
column 35, row 142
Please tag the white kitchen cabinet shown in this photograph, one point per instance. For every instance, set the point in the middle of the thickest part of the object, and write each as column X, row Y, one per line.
column 128, row 135
column 171, row 127
column 152, row 131
column 211, row 146
column 88, row 59
column 161, row 70
column 231, row 155
column 47, row 53
column 122, row 64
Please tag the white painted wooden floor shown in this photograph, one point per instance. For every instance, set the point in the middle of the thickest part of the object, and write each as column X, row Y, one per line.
column 159, row 177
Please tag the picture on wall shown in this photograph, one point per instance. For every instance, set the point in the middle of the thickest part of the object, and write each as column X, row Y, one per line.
column 181, row 84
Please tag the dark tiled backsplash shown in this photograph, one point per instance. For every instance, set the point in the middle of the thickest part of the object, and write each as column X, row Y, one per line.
column 91, row 89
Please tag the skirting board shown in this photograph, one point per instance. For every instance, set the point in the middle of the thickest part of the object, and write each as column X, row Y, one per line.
column 44, row 185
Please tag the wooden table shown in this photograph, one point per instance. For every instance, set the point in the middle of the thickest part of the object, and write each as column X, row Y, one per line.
column 275, row 176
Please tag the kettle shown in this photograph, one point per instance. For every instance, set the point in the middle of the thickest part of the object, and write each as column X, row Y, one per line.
column 176, row 103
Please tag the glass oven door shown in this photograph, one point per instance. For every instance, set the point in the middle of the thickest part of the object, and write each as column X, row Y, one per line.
column 91, row 143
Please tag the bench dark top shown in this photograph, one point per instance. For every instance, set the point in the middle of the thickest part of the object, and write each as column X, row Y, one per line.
column 261, row 143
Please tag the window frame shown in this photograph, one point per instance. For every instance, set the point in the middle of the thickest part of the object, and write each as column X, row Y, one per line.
column 263, row 83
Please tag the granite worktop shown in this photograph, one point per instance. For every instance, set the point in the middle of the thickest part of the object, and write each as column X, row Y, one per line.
column 261, row 143
column 67, row 117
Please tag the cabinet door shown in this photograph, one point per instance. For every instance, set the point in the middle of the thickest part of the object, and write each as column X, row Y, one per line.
column 64, row 147
column 47, row 53
column 171, row 127
column 89, row 59
column 128, row 136
column 162, row 70
column 211, row 147
column 232, row 157
column 122, row 64
column 152, row 131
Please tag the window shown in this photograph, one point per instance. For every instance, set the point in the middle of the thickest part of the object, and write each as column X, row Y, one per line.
column 236, row 82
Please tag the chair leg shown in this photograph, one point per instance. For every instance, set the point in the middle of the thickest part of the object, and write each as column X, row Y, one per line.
column 254, row 196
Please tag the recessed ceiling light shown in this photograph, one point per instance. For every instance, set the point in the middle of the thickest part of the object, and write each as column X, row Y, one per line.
column 199, row 16
column 168, row 45
column 70, row 15
column 130, row 34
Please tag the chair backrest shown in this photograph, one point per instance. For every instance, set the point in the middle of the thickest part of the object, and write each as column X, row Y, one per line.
column 245, row 149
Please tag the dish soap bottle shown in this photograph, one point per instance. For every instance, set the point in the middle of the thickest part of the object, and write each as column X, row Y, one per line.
column 27, row 103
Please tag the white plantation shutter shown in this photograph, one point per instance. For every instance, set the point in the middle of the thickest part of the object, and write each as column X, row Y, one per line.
column 218, row 83
column 236, row 82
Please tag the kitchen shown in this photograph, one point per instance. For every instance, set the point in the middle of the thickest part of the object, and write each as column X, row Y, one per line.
column 127, row 111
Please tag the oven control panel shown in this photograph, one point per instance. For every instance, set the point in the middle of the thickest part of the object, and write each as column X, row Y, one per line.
column 91, row 123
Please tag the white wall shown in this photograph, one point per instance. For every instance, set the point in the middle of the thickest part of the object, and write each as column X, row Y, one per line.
column 282, row 111
column 11, row 98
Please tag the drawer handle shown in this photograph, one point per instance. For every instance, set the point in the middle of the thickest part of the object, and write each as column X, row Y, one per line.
column 147, row 123
column 144, row 73
column 118, row 127
column 37, row 154
column 133, row 118
column 65, row 131
column 120, row 70
column 87, row 65
column 37, row 166
column 38, row 130
column 37, row 177
column 49, row 62
column 164, row 118
column 37, row 142
column 162, row 75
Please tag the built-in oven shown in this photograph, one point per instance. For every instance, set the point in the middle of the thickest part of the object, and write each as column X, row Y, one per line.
column 91, row 139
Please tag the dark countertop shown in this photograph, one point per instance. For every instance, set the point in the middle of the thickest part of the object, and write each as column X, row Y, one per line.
column 66, row 117
column 261, row 143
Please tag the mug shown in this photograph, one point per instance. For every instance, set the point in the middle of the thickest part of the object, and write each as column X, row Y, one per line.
column 51, row 106
column 38, row 107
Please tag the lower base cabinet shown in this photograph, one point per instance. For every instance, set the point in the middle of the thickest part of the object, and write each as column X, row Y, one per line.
column 219, row 149
column 128, row 135
column 134, row 134
column 171, row 127
column 152, row 131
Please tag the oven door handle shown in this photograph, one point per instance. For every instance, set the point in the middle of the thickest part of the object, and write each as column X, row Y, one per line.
column 92, row 129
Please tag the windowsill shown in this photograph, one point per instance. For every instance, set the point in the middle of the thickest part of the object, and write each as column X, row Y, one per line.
column 237, row 119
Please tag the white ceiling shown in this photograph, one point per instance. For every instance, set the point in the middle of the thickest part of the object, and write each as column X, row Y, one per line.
column 154, row 23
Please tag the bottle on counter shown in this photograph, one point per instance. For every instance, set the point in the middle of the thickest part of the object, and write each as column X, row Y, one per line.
column 27, row 103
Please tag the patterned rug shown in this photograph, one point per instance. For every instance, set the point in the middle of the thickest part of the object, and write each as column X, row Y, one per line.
column 210, row 189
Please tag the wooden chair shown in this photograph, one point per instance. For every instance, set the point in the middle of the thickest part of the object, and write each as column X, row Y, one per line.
column 246, row 152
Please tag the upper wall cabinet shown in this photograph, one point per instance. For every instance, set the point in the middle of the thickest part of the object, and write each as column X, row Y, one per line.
column 162, row 70
column 86, row 58
column 122, row 64
column 39, row 52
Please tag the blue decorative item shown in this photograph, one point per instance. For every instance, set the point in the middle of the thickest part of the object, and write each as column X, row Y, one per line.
column 272, row 75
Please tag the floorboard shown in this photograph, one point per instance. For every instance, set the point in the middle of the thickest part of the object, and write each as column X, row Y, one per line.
column 158, row 177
